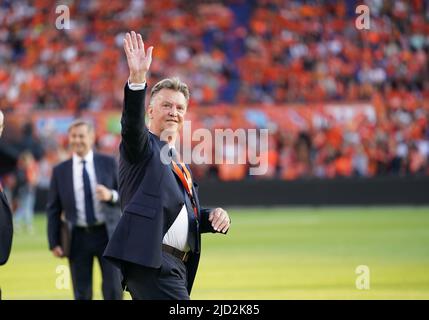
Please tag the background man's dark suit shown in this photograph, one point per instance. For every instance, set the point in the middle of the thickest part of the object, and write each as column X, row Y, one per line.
column 61, row 199
column 6, row 229
column 151, row 197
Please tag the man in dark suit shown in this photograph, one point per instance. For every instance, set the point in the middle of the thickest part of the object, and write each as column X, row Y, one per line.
column 6, row 225
column 84, row 189
column 157, row 241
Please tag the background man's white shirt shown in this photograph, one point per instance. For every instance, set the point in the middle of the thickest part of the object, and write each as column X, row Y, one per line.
column 79, row 193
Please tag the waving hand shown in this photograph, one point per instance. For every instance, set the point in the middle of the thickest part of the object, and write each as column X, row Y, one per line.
column 138, row 60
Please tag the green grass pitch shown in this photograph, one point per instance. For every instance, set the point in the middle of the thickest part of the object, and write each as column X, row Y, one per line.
column 282, row 253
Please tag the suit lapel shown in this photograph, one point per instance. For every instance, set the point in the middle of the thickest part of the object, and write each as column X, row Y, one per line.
column 101, row 177
column 98, row 169
column 69, row 184
column 197, row 201
column 195, row 194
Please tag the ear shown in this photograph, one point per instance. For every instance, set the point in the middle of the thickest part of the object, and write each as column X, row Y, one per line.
column 150, row 111
column 92, row 136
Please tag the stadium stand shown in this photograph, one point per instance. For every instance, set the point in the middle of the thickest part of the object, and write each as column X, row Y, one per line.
column 339, row 102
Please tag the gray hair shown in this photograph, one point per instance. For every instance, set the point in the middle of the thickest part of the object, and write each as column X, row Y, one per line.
column 81, row 122
column 172, row 84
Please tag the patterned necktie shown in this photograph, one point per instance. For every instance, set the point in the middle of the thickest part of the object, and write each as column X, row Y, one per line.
column 185, row 177
column 89, row 204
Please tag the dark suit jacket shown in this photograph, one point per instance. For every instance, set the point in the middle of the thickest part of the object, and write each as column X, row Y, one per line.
column 6, row 229
column 151, row 196
column 61, row 196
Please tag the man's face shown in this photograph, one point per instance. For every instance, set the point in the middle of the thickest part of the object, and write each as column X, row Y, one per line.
column 81, row 140
column 1, row 123
column 166, row 112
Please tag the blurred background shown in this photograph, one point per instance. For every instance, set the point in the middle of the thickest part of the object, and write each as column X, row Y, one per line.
column 347, row 112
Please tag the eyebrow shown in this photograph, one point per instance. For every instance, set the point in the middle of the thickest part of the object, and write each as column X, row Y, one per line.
column 178, row 104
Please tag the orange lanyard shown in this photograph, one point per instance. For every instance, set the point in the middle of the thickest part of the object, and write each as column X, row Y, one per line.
column 186, row 179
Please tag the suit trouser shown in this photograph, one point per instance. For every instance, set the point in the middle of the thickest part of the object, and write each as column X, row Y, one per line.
column 166, row 283
column 88, row 243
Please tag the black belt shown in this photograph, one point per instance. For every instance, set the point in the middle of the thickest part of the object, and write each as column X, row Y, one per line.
column 92, row 228
column 176, row 252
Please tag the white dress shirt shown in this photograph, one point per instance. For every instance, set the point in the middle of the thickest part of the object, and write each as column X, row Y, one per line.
column 177, row 235
column 79, row 193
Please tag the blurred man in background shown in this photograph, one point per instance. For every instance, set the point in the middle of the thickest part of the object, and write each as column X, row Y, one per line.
column 85, row 189
column 6, row 226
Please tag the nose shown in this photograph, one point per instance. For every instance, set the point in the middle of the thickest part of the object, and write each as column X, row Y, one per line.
column 173, row 111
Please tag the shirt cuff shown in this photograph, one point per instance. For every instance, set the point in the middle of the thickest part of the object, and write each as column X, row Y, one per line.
column 115, row 196
column 136, row 86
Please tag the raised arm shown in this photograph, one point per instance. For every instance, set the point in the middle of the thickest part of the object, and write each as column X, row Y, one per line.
column 135, row 135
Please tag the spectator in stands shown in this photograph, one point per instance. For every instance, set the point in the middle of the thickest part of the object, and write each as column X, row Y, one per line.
column 240, row 52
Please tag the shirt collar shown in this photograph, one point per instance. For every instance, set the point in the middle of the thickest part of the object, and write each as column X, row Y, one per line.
column 89, row 158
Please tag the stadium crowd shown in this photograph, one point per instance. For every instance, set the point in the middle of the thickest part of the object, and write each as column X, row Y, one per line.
column 240, row 54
